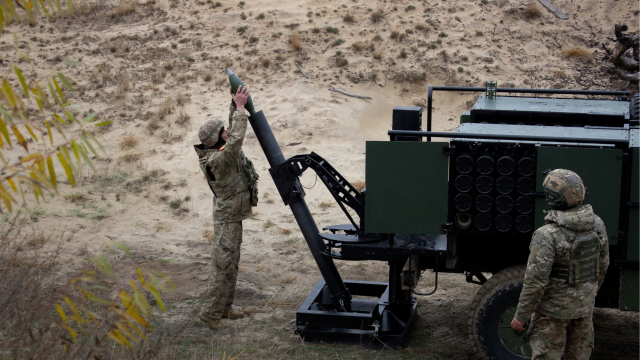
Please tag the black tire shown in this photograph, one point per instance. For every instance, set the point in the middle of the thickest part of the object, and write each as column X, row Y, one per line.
column 491, row 313
column 634, row 107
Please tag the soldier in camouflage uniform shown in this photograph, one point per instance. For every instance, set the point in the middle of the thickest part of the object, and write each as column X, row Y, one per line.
column 233, row 181
column 566, row 267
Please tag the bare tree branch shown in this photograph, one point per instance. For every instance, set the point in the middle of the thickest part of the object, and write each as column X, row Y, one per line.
column 349, row 94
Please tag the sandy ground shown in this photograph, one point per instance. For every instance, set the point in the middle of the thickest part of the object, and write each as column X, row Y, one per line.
column 156, row 68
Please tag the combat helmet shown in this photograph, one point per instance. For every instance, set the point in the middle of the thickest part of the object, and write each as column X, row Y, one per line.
column 563, row 189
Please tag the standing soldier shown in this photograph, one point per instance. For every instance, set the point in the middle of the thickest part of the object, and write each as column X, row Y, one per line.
column 567, row 264
column 233, row 180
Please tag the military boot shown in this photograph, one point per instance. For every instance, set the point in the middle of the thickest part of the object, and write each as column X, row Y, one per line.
column 214, row 324
column 232, row 314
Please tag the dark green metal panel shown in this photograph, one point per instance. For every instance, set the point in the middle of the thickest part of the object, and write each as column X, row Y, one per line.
column 629, row 289
column 406, row 187
column 633, row 247
column 601, row 171
column 465, row 117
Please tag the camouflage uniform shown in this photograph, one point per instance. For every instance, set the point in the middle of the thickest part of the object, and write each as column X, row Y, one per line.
column 559, row 305
column 226, row 172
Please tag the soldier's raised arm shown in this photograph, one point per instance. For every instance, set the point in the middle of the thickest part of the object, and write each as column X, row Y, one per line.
column 238, row 121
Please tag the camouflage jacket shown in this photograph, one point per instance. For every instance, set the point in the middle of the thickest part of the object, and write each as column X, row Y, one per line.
column 227, row 163
column 555, row 297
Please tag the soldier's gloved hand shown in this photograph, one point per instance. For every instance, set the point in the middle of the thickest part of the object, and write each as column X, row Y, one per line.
column 241, row 97
column 517, row 325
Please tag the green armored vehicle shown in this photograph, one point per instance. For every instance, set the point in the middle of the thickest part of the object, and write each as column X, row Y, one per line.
column 468, row 205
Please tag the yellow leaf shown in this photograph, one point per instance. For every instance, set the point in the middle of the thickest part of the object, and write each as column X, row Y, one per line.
column 49, row 131
column 83, row 153
column 74, row 147
column 6, row 197
column 61, row 312
column 96, row 141
column 72, row 118
column 123, row 329
column 20, row 138
column 45, row 9
column 6, row 88
column 63, row 79
column 52, row 172
column 12, row 184
column 70, row 6
column 1, row 20
column 88, row 144
column 140, row 276
column 71, row 331
column 4, row 131
column 67, row 169
column 118, row 338
column 58, row 89
column 57, row 126
column 31, row 132
column 156, row 295
column 43, row 96
column 22, row 81
column 166, row 279
column 53, row 93
column 34, row 156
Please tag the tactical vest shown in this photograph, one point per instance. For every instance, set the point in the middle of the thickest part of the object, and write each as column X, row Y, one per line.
column 583, row 264
column 235, row 184
column 252, row 178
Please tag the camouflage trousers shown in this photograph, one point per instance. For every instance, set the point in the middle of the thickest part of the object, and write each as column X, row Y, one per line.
column 225, row 257
column 551, row 338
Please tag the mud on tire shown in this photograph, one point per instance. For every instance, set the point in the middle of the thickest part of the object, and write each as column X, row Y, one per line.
column 490, row 309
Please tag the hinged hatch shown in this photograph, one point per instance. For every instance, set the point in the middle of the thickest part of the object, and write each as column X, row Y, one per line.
column 407, row 184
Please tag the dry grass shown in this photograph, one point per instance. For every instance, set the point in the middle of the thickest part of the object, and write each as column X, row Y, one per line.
column 183, row 118
column 36, row 240
column 166, row 108
column 560, row 74
column 285, row 231
column 575, row 53
column 131, row 157
column 378, row 55
column 207, row 234
column 358, row 184
column 76, row 198
column 128, row 142
column 358, row 46
column 85, row 8
column 287, row 280
column 207, row 76
column 341, row 62
column 294, row 40
column 377, row 15
column 267, row 224
column 349, row 19
column 265, row 61
column 125, row 7
column 324, row 205
column 532, row 11
column 182, row 99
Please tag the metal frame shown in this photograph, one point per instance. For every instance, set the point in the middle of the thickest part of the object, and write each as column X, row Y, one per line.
column 516, row 91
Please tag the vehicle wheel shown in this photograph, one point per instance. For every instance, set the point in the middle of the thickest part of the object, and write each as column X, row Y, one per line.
column 634, row 107
column 492, row 310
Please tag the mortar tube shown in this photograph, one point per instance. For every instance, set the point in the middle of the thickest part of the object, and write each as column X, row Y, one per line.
column 339, row 292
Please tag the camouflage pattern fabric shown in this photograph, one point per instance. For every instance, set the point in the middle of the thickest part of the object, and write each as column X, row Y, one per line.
column 225, row 257
column 564, row 189
column 551, row 338
column 223, row 164
column 555, row 297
